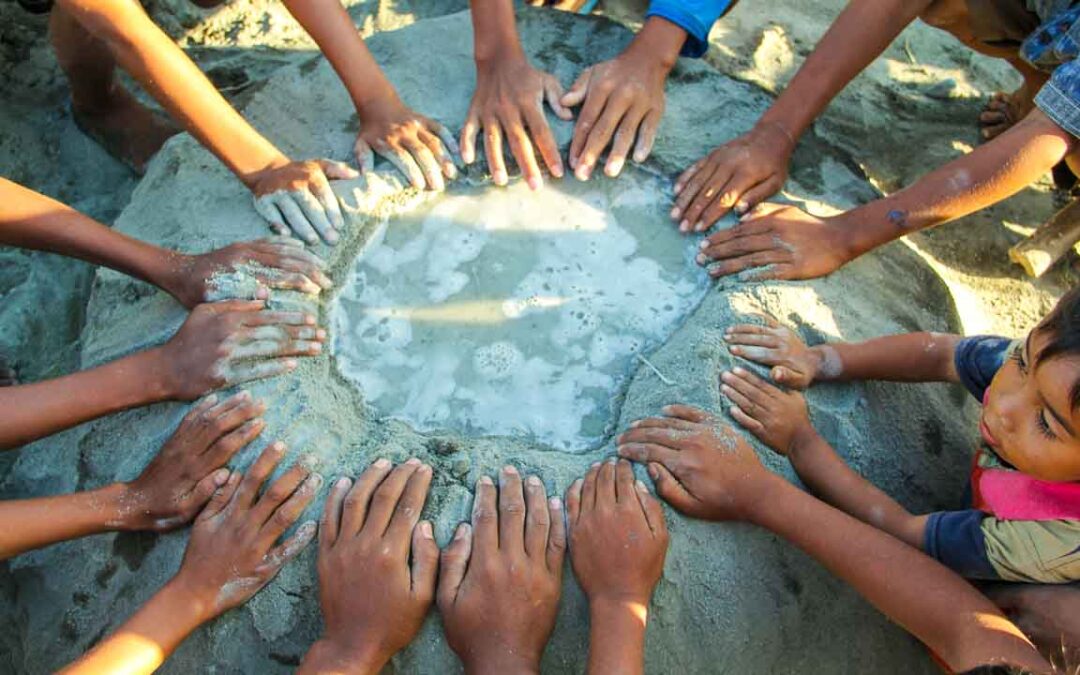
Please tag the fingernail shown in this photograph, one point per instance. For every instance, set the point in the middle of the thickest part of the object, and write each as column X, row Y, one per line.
column 635, row 423
column 736, row 349
column 739, row 370
column 291, row 364
column 451, row 171
column 381, row 463
column 210, row 400
column 699, row 226
column 244, row 396
column 486, row 480
column 309, row 319
column 278, row 447
column 509, row 470
column 653, row 471
column 342, row 483
column 614, row 167
column 611, row 460
column 412, row 461
column 675, row 212
column 315, row 481
column 582, row 172
column 684, row 226
column 532, row 481
column 425, row 468
column 221, row 476
column 557, row 170
column 640, row 486
column 320, row 334
column 594, row 465
column 425, row 530
column 556, row 503
column 499, row 177
column 462, row 531
column 535, row 182
column 701, row 259
column 726, row 376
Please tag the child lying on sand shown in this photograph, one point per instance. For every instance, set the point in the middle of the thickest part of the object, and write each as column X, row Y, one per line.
column 221, row 343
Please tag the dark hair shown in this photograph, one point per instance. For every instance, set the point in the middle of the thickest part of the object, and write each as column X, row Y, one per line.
column 1062, row 327
column 995, row 670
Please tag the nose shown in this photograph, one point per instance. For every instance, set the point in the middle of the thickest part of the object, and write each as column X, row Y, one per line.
column 1004, row 409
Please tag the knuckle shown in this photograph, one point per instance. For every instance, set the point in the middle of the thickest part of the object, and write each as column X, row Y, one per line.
column 283, row 517
column 513, row 507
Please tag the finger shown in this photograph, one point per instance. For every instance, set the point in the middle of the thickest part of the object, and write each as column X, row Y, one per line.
column 648, row 452
column 577, row 91
column 294, row 216
column 286, row 551
column 354, row 508
column 667, row 437
column 249, row 371
column 699, row 188
column 624, row 138
column 522, row 150
column 468, row 139
column 624, row 482
column 485, row 518
column 688, row 413
column 553, row 94
column 225, row 448
column 587, row 119
column 438, row 151
column 599, row 136
column 326, row 198
column 714, row 195
column 279, row 491
column 767, row 390
column 447, row 139
column 654, row 512
column 646, row 136
column 685, row 177
column 257, row 474
column 229, row 418
column 545, row 142
column 206, row 488
column 664, row 422
column 573, row 500
column 788, row 377
column 745, row 329
column 385, row 500
column 206, row 403
column 588, row 489
column 266, row 318
column 221, row 497
column 408, row 167
column 765, row 355
column 740, row 399
column 742, row 246
column 556, row 545
column 758, row 194
column 511, row 511
column 746, row 421
column 730, row 195
column 407, row 513
column 493, row 150
column 734, row 265
column 365, row 156
column 453, row 563
column 767, row 272
column 605, row 485
column 426, row 162
column 330, row 525
column 670, row 489
column 266, row 207
column 425, row 562
column 337, row 170
column 286, row 514
column 537, row 519
column 271, row 341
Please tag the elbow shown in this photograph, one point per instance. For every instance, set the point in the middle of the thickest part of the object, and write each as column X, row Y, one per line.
column 114, row 23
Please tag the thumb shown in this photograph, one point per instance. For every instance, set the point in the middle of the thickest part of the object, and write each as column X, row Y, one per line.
column 206, row 488
column 577, row 90
column 221, row 497
column 225, row 306
column 671, row 490
column 553, row 92
column 365, row 156
column 338, row 170
column 425, row 562
column 454, row 561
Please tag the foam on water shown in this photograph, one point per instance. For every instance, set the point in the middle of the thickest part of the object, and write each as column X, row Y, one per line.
column 504, row 311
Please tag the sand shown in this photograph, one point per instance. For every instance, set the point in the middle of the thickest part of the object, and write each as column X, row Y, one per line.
column 732, row 598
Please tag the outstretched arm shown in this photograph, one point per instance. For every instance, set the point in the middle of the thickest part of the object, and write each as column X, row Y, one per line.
column 705, row 470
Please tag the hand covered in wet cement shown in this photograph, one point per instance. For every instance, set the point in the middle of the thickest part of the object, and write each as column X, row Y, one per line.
column 377, row 568
column 700, row 466
column 736, row 176
column 422, row 149
column 297, row 197
column 189, row 468
column 793, row 363
column 226, row 343
column 501, row 578
column 777, row 418
column 277, row 262
column 776, row 242
column 622, row 101
column 233, row 551
column 508, row 105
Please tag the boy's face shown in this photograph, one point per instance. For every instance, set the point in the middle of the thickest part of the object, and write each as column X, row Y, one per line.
column 1027, row 413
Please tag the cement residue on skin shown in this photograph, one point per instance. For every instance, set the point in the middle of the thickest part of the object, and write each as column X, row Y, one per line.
column 240, row 283
column 831, row 366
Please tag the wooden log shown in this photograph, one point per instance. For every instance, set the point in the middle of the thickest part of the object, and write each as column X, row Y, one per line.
column 1049, row 242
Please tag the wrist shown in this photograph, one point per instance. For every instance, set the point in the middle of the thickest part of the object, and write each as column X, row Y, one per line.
column 767, row 492
column 658, row 44
column 272, row 162
column 157, row 375
column 492, row 52
column 619, row 612
column 188, row 602
column 174, row 277
column 804, row 442
column 116, row 501
column 500, row 660
column 334, row 656
column 375, row 100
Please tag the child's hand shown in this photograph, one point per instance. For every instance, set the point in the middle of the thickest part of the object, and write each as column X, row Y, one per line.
column 700, row 467
column 277, row 262
column 231, row 554
column 297, row 196
column 420, row 148
column 185, row 473
column 794, row 364
column 618, row 538
column 226, row 343
column 778, row 418
column 373, row 599
column 500, row 579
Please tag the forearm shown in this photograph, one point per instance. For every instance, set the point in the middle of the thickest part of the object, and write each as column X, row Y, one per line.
column 495, row 35
column 953, row 619
column 328, row 658
column 31, row 220
column 834, row 481
column 145, row 640
column 33, row 523
column 617, row 637
column 660, row 41
column 32, row 411
column 985, row 176
column 162, row 68
column 910, row 357
column 327, row 22
column 858, row 36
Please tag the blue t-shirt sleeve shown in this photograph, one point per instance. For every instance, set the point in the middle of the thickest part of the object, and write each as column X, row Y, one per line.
column 955, row 539
column 978, row 359
column 696, row 17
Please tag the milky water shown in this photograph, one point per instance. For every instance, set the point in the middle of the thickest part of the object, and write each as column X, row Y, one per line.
column 509, row 312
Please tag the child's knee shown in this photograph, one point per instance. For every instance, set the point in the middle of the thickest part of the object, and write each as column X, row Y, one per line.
column 947, row 15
